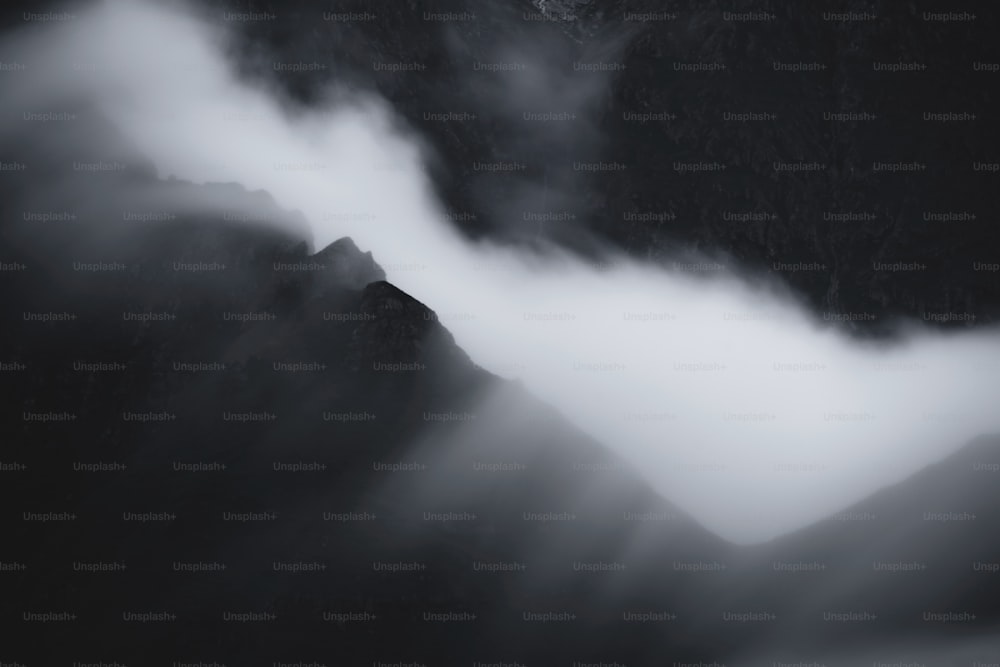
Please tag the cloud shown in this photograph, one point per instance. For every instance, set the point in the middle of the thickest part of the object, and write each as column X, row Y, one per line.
column 734, row 403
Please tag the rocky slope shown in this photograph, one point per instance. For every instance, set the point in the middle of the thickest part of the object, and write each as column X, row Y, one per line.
column 219, row 445
column 203, row 419
column 792, row 190
column 191, row 387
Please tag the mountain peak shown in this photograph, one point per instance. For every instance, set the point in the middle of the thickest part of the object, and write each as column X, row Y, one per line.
column 348, row 264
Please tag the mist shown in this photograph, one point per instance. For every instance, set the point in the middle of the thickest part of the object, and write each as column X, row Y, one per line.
column 734, row 403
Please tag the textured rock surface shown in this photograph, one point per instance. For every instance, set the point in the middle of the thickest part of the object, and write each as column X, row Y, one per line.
column 324, row 364
column 789, row 225
column 190, row 415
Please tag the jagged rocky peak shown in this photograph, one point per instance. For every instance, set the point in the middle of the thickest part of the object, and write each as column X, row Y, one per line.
column 562, row 10
column 347, row 265
column 398, row 329
column 396, row 324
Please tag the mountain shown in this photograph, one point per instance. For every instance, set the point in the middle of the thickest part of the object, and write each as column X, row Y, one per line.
column 916, row 560
column 207, row 420
column 858, row 218
column 222, row 444
column 200, row 392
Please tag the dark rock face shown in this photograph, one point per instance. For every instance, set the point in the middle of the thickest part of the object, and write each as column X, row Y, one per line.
column 348, row 266
column 249, row 427
column 396, row 329
column 693, row 171
column 272, row 441
column 853, row 238
column 207, row 423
